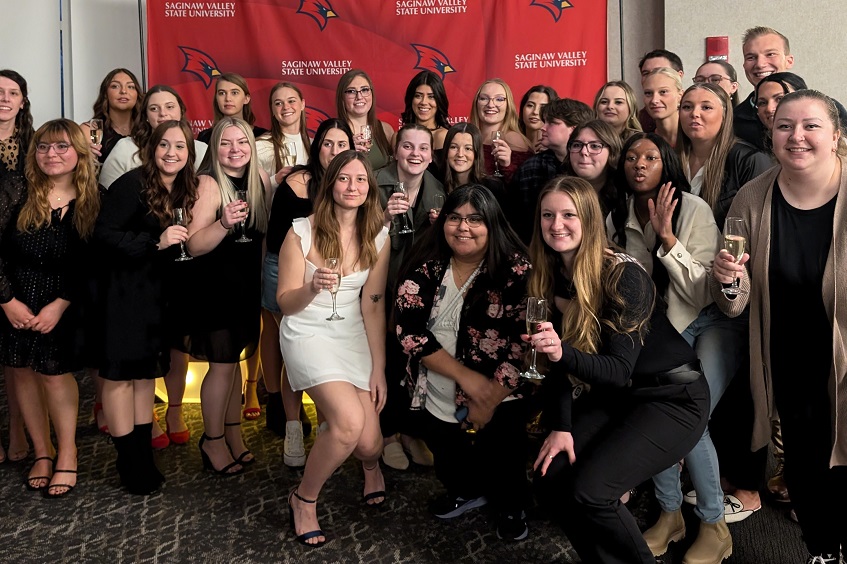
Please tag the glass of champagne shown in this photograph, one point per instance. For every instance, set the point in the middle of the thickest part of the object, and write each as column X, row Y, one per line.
column 367, row 137
column 495, row 136
column 536, row 312
column 95, row 131
column 179, row 219
column 438, row 202
column 289, row 153
column 334, row 265
column 405, row 229
column 242, row 195
column 734, row 242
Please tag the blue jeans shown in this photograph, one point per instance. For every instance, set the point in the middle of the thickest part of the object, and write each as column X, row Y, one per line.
column 270, row 269
column 719, row 342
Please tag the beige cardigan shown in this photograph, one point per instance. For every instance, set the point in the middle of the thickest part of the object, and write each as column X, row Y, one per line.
column 753, row 205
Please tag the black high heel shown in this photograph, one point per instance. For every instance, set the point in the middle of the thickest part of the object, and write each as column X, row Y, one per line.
column 305, row 536
column 374, row 495
column 240, row 458
column 207, row 462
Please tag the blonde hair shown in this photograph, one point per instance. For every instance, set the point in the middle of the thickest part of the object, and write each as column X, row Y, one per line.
column 511, row 117
column 368, row 218
column 36, row 211
column 258, row 218
column 756, row 32
column 715, row 168
column 629, row 94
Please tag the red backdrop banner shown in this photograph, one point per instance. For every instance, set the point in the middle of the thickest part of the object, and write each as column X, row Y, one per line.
column 313, row 42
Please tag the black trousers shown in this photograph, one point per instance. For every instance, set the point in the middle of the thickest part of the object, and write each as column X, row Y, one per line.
column 818, row 492
column 394, row 417
column 621, row 439
column 491, row 462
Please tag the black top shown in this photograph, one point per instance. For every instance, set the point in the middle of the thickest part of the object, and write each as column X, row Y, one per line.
column 110, row 139
column 286, row 207
column 206, row 135
column 801, row 333
column 621, row 358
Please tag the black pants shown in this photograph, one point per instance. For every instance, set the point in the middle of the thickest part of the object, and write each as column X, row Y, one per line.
column 394, row 416
column 818, row 492
column 621, row 439
column 491, row 462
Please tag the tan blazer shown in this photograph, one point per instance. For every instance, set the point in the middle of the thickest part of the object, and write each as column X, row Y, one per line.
column 753, row 205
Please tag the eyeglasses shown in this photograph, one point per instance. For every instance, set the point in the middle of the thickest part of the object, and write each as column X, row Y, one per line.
column 486, row 99
column 594, row 147
column 60, row 148
column 713, row 79
column 365, row 91
column 472, row 220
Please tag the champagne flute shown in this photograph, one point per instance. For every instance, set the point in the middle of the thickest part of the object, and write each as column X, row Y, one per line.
column 95, row 131
column 734, row 242
column 179, row 219
column 333, row 265
column 289, row 152
column 242, row 195
column 536, row 312
column 367, row 137
column 438, row 202
column 400, row 188
column 495, row 136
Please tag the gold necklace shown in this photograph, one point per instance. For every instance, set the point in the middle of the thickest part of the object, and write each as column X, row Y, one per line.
column 462, row 277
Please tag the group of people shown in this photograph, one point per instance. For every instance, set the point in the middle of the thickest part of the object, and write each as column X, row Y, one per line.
column 388, row 275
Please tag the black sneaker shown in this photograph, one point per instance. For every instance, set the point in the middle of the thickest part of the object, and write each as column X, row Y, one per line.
column 448, row 507
column 823, row 559
column 512, row 526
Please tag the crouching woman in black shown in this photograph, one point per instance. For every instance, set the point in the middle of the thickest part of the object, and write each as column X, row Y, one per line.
column 644, row 402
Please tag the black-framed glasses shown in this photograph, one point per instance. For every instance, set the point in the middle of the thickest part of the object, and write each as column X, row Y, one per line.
column 61, row 147
column 594, row 147
column 472, row 220
column 712, row 79
column 365, row 91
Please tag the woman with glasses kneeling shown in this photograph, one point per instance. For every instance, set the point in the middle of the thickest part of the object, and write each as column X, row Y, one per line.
column 460, row 313
column 647, row 400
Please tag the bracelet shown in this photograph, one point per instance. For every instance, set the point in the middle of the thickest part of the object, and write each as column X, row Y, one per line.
column 221, row 220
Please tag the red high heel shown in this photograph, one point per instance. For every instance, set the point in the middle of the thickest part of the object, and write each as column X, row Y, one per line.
column 98, row 409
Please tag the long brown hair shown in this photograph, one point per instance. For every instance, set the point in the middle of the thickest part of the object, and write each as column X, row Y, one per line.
column 715, row 168
column 183, row 193
column 241, row 82
column 101, row 104
column 276, row 134
column 368, row 219
column 143, row 129
column 36, row 211
column 596, row 274
column 376, row 126
column 477, row 172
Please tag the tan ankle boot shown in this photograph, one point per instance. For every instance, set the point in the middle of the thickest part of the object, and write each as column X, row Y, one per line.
column 669, row 528
column 712, row 546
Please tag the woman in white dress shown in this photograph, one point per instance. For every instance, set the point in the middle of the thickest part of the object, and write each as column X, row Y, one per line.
column 340, row 362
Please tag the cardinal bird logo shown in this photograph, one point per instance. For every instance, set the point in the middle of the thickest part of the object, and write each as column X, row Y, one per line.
column 555, row 7
column 199, row 64
column 318, row 10
column 431, row 59
column 314, row 117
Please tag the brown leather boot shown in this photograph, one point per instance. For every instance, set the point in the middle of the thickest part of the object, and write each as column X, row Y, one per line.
column 712, row 546
column 669, row 528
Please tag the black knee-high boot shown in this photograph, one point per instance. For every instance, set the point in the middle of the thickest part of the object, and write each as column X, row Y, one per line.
column 149, row 477
column 125, row 462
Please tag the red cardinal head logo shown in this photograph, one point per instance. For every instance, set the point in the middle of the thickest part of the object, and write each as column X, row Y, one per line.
column 199, row 64
column 314, row 117
column 555, row 7
column 318, row 10
column 431, row 59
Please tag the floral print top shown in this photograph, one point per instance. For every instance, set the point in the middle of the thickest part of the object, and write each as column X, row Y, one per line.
column 492, row 320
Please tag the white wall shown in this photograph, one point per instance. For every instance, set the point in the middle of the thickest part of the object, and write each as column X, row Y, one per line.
column 643, row 26
column 814, row 30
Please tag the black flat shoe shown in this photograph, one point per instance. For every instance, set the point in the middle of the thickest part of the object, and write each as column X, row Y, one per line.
column 305, row 536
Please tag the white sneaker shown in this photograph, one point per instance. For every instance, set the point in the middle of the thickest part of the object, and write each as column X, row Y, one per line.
column 690, row 497
column 293, row 449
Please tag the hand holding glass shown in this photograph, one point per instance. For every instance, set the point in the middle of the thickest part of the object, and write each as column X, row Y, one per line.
column 494, row 138
column 333, row 264
column 734, row 242
column 405, row 229
column 367, row 137
column 536, row 312
column 242, row 195
column 95, row 131
column 289, row 153
column 179, row 219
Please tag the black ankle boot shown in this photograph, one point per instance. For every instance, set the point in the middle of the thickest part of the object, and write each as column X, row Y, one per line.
column 148, row 478
column 124, row 463
column 274, row 414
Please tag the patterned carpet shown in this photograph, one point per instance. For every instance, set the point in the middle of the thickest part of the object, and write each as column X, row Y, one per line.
column 198, row 517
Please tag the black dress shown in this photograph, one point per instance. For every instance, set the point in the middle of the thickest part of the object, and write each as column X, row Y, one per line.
column 222, row 298
column 37, row 268
column 131, row 286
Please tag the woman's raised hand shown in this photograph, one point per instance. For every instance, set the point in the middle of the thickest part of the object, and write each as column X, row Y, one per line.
column 546, row 341
column 397, row 204
column 661, row 215
column 233, row 213
column 173, row 235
